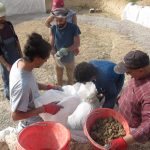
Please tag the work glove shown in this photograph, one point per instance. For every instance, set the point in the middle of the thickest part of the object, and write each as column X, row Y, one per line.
column 92, row 98
column 52, row 108
column 118, row 144
column 49, row 87
column 62, row 52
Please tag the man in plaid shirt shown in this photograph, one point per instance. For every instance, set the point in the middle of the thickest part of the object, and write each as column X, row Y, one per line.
column 134, row 103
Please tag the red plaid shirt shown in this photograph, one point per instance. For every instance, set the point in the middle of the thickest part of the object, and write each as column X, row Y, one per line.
column 134, row 105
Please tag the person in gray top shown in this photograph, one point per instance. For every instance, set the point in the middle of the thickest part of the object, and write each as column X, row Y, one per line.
column 23, row 87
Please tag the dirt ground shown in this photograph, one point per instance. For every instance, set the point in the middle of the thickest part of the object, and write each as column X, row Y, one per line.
column 96, row 43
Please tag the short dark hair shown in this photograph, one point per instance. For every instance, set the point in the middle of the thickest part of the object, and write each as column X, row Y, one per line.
column 36, row 46
column 84, row 72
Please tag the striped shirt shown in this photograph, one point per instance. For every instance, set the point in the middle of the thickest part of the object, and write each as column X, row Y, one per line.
column 134, row 105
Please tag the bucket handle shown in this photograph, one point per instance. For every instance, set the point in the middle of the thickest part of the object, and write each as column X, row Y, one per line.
column 41, row 124
column 107, row 146
column 93, row 114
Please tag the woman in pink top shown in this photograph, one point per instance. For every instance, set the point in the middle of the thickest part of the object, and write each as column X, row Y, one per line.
column 57, row 4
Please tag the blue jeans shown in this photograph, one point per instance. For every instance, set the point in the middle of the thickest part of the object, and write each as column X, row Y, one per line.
column 10, row 54
column 5, row 78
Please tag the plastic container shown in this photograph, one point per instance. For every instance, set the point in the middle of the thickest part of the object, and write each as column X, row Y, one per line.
column 102, row 113
column 44, row 136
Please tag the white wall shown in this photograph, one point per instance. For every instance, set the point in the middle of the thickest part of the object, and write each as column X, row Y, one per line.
column 23, row 6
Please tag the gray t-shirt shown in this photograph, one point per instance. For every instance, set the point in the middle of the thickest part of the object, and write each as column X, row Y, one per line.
column 70, row 15
column 23, row 92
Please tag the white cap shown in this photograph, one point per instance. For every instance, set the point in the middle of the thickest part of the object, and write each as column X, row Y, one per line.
column 60, row 12
column 2, row 10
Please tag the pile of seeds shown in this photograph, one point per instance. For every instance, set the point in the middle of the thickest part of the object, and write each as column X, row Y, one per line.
column 105, row 130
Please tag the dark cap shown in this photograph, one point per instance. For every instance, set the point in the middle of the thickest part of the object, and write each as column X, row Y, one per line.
column 132, row 60
column 60, row 12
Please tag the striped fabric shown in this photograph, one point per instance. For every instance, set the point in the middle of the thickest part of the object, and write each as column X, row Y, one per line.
column 134, row 105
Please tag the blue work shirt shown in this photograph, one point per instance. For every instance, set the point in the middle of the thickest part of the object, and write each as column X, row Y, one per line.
column 64, row 38
column 107, row 81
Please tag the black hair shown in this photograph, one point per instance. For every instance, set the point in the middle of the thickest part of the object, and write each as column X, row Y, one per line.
column 36, row 46
column 84, row 72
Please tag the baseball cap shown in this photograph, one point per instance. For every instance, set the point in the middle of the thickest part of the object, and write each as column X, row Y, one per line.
column 2, row 10
column 60, row 12
column 133, row 60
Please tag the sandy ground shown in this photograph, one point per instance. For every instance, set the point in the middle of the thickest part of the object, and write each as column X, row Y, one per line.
column 102, row 38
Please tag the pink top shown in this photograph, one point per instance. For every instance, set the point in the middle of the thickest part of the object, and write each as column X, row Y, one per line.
column 57, row 4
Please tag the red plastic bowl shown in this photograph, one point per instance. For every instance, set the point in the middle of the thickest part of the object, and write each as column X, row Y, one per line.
column 44, row 136
column 102, row 113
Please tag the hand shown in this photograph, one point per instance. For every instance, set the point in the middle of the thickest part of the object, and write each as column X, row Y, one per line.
column 76, row 52
column 100, row 96
column 8, row 67
column 118, row 144
column 55, row 87
column 52, row 108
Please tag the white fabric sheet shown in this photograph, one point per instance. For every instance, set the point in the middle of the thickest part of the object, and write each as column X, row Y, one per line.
column 137, row 14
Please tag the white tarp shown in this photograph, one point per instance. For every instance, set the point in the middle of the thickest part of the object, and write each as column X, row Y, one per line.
column 137, row 14
column 70, row 98
column 78, row 101
column 131, row 12
column 144, row 17
column 23, row 6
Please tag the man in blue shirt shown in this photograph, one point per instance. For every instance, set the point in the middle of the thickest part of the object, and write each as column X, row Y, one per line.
column 102, row 73
column 65, row 41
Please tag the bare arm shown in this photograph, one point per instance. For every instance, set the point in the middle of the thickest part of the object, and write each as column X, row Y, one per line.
column 51, row 38
column 49, row 20
column 76, row 43
column 19, row 115
column 5, row 63
column 42, row 86
column 19, row 47
column 74, row 19
column 53, row 51
column 129, row 139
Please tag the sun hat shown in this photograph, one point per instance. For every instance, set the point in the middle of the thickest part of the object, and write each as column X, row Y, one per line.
column 60, row 12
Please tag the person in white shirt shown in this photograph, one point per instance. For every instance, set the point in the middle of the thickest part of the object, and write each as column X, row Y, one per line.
column 23, row 87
